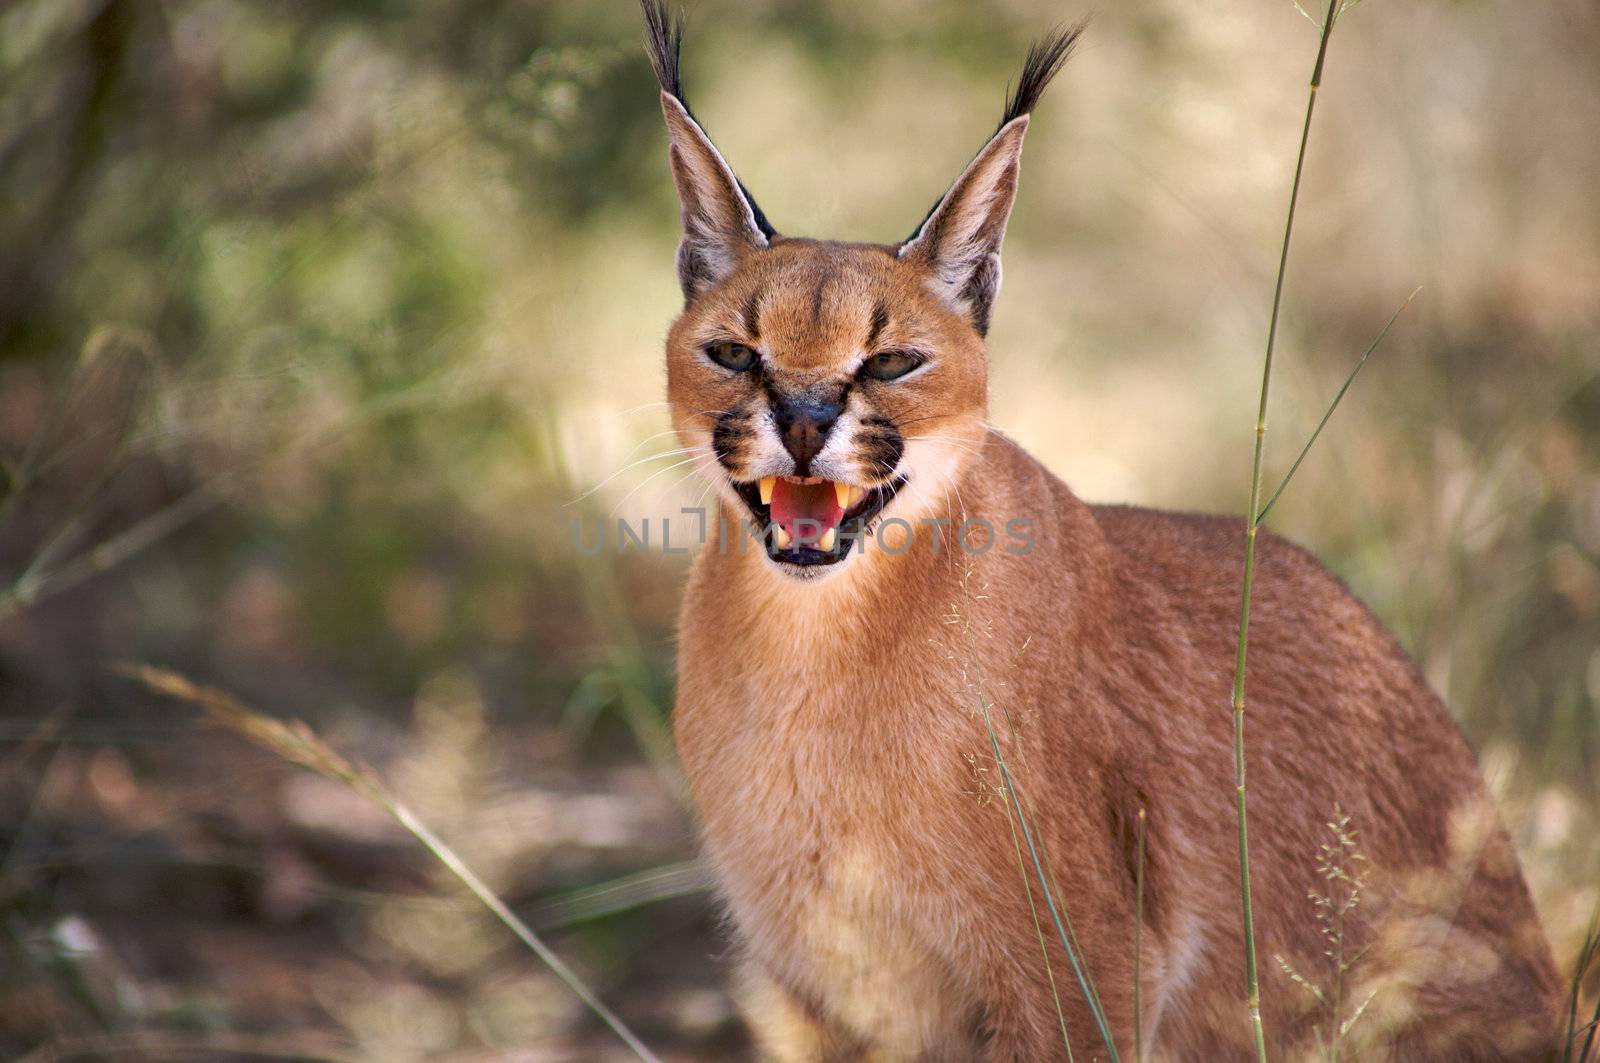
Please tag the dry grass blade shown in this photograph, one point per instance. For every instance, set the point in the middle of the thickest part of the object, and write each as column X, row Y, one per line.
column 37, row 583
column 296, row 742
column 292, row 740
column 625, row 894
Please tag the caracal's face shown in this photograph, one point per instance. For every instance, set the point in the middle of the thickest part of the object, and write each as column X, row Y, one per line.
column 825, row 389
column 826, row 386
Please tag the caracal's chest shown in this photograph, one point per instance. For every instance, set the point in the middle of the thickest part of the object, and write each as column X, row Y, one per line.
column 819, row 791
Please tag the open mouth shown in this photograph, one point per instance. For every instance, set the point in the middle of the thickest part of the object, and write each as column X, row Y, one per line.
column 806, row 520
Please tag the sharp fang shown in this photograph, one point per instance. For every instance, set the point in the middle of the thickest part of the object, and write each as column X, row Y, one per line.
column 829, row 537
column 843, row 493
column 767, row 484
column 781, row 537
column 856, row 494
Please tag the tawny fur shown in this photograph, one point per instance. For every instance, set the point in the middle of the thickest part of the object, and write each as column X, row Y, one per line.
column 832, row 733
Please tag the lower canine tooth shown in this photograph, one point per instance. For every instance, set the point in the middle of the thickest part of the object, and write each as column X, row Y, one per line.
column 781, row 537
column 829, row 537
column 767, row 484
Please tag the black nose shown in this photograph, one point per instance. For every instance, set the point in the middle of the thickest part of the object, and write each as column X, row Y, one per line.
column 803, row 427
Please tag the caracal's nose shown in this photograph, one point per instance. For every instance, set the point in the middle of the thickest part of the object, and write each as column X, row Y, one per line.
column 803, row 426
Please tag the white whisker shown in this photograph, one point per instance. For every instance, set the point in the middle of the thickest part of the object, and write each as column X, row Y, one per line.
column 652, row 457
column 974, row 450
column 644, row 406
column 710, row 485
column 635, row 448
column 675, row 465
column 948, row 441
column 697, row 470
column 889, row 472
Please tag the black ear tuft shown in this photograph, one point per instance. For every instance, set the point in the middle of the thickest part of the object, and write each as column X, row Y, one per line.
column 664, row 37
column 1046, row 57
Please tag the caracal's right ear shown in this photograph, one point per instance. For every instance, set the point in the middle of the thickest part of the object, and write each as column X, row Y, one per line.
column 958, row 243
column 721, row 222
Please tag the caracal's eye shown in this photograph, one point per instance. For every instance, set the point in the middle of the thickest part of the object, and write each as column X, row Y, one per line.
column 890, row 365
column 734, row 356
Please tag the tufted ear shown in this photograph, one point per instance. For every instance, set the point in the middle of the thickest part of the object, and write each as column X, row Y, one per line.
column 958, row 243
column 721, row 221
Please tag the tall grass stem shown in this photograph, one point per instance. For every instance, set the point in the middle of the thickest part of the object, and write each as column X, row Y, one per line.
column 479, row 889
column 1138, row 936
column 1038, row 927
column 1015, row 807
column 1063, row 924
column 1588, row 952
column 1252, row 981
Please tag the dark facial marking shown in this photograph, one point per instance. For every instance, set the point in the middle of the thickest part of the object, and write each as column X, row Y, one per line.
column 879, row 444
column 752, row 315
column 728, row 436
column 880, row 321
column 816, row 299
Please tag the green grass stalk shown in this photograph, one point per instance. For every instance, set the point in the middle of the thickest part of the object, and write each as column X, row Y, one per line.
column 1588, row 955
column 1038, row 927
column 1138, row 935
column 1056, row 888
column 1017, row 816
column 1062, row 922
column 1252, row 981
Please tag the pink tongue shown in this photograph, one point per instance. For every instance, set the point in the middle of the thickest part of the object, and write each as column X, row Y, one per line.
column 815, row 504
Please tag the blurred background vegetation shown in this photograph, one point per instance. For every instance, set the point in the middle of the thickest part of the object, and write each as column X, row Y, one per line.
column 321, row 323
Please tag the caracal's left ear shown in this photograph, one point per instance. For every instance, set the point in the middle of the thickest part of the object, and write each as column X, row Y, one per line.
column 958, row 243
column 721, row 222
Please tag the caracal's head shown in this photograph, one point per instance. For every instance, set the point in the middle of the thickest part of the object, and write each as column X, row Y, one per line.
column 827, row 385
